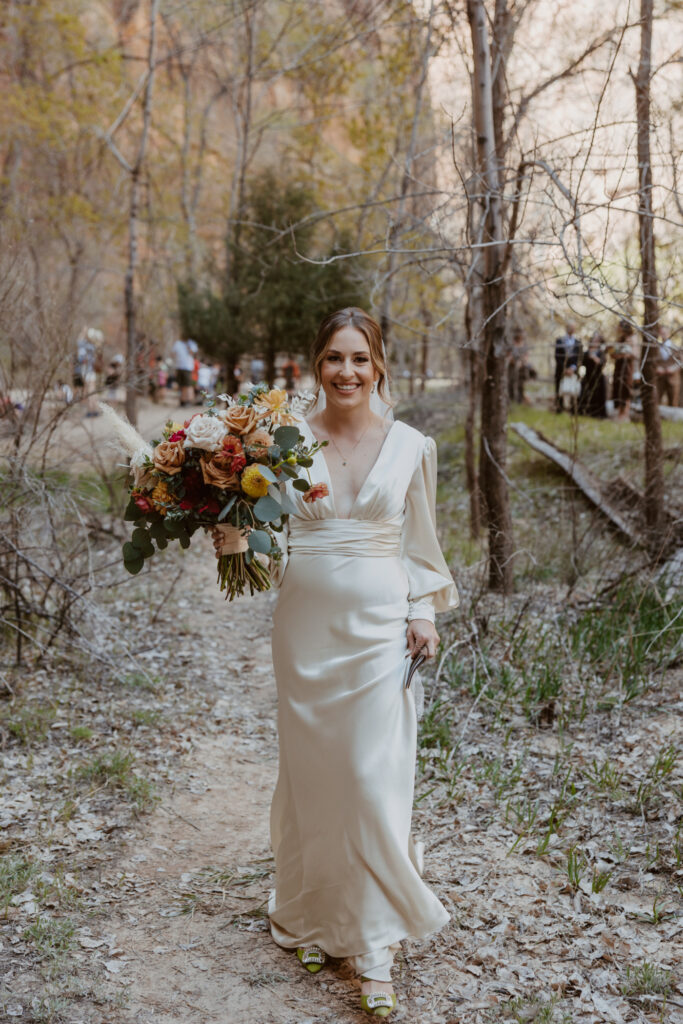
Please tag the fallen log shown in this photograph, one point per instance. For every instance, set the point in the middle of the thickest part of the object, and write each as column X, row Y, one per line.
column 581, row 476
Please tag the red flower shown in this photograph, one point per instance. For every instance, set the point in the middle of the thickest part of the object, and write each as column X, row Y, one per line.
column 315, row 492
column 231, row 456
column 179, row 435
column 143, row 503
column 186, row 505
column 212, row 507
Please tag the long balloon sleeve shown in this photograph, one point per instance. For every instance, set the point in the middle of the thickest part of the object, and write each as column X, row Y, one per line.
column 431, row 586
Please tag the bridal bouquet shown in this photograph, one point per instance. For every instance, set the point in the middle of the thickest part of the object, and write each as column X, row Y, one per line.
column 222, row 468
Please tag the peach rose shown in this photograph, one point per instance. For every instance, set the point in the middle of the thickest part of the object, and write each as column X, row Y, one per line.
column 239, row 419
column 259, row 439
column 315, row 492
column 218, row 476
column 168, row 457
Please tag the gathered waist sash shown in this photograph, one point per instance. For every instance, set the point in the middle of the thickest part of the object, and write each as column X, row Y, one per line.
column 356, row 537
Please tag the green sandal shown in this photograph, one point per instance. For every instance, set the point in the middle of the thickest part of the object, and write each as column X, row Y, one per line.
column 379, row 1004
column 312, row 957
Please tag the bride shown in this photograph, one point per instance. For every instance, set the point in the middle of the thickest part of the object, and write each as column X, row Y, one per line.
column 360, row 579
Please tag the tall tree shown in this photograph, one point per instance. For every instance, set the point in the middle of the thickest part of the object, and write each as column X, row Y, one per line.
column 493, row 480
column 654, row 460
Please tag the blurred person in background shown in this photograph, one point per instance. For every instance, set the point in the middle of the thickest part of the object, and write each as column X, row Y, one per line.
column 113, row 377
column 258, row 368
column 593, row 396
column 291, row 373
column 183, row 357
column 87, row 364
column 668, row 371
column 518, row 367
column 567, row 360
column 623, row 353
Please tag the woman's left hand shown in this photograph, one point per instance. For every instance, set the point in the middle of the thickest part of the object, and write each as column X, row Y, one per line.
column 422, row 634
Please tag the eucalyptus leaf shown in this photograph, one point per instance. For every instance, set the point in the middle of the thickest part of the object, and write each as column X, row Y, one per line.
column 226, row 508
column 288, row 506
column 134, row 565
column 184, row 540
column 142, row 541
column 259, row 540
column 289, row 471
column 267, row 473
column 267, row 508
column 130, row 552
column 132, row 513
column 287, row 437
column 301, row 485
column 304, row 461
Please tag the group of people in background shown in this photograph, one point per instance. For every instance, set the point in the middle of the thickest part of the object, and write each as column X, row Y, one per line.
column 581, row 384
column 587, row 391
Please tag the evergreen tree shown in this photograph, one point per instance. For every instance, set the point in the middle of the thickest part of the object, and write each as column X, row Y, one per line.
column 269, row 298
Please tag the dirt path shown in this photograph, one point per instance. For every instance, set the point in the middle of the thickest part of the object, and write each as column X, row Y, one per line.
column 187, row 937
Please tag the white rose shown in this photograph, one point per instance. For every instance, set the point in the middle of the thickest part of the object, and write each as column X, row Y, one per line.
column 205, row 432
column 141, row 472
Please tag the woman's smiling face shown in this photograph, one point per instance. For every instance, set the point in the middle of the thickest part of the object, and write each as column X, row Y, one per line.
column 346, row 372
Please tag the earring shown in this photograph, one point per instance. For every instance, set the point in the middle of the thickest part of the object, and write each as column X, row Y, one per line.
column 373, row 389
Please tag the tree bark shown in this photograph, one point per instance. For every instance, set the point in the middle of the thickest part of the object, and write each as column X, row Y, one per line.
column 654, row 459
column 493, row 450
column 132, row 341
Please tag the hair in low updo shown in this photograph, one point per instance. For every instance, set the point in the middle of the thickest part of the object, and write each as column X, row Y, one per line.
column 361, row 321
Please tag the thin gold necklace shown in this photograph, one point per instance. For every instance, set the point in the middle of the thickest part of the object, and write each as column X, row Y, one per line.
column 343, row 457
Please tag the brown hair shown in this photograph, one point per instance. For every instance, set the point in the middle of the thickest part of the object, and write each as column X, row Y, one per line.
column 361, row 321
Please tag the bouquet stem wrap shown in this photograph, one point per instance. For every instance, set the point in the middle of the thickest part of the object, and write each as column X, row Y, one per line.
column 234, row 574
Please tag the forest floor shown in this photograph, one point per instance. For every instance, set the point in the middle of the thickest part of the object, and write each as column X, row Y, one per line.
column 135, row 863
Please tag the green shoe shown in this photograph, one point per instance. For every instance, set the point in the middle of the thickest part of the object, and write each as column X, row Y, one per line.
column 379, row 1004
column 312, row 957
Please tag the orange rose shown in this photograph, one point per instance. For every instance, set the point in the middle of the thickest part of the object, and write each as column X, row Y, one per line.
column 259, row 439
column 168, row 457
column 218, row 476
column 239, row 419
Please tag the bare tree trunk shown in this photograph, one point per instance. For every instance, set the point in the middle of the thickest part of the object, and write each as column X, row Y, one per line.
column 473, row 378
column 654, row 461
column 132, row 347
column 397, row 226
column 494, row 390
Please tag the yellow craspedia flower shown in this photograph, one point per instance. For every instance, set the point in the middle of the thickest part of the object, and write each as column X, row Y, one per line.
column 253, row 483
column 161, row 497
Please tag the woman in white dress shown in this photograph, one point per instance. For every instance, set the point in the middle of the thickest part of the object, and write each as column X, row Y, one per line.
column 361, row 577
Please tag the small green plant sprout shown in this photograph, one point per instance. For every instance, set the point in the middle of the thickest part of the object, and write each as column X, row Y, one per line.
column 81, row 732
column 50, row 936
column 576, row 865
column 600, row 879
column 604, row 777
column 659, row 770
column 646, row 980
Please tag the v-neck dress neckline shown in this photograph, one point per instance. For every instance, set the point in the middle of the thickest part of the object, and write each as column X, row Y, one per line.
column 368, row 475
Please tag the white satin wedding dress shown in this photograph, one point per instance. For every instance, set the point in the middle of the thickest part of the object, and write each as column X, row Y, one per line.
column 346, row 872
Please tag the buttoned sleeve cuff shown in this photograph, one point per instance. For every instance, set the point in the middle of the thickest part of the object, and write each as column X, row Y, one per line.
column 423, row 609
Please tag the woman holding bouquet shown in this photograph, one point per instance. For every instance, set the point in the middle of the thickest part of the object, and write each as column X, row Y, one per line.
column 360, row 579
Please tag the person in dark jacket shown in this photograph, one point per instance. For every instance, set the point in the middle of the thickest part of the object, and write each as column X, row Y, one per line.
column 568, row 354
column 593, row 386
